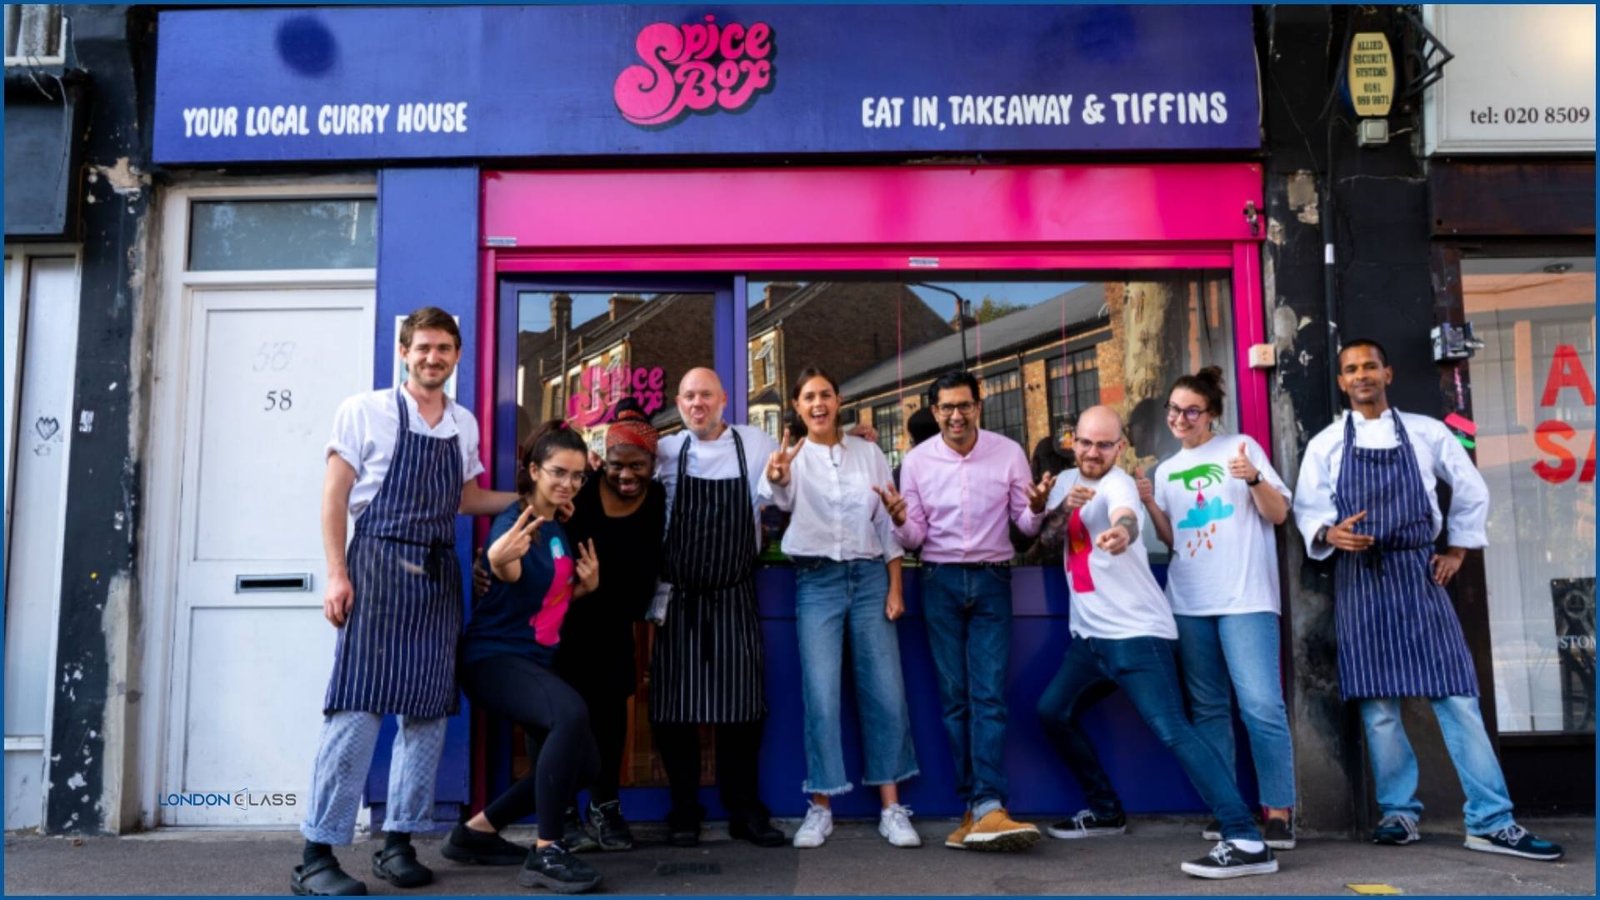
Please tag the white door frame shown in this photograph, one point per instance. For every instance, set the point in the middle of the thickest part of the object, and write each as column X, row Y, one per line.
column 169, row 407
column 21, row 281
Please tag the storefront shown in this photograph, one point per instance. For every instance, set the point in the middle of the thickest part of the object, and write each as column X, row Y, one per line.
column 1065, row 199
column 1511, row 182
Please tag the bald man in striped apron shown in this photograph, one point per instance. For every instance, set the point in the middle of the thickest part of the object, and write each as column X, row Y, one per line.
column 403, row 462
column 706, row 667
column 1366, row 493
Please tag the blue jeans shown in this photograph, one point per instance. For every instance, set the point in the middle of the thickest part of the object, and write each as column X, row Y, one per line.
column 1145, row 670
column 1238, row 655
column 829, row 598
column 968, row 609
column 1394, row 766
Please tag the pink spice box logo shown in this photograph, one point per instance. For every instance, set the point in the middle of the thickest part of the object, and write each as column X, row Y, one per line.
column 702, row 67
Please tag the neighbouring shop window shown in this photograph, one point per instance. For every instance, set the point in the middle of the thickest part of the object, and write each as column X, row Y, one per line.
column 1074, row 385
column 885, row 341
column 1533, row 401
column 256, row 235
column 889, row 422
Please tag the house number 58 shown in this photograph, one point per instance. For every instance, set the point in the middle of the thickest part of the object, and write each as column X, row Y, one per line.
column 279, row 400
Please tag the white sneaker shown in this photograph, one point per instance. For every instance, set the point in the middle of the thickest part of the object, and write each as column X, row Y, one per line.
column 816, row 828
column 895, row 825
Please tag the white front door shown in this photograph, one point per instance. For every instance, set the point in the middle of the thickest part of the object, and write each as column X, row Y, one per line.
column 267, row 369
column 41, row 344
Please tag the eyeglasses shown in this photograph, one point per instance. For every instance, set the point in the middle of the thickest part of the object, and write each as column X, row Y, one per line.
column 1191, row 414
column 1084, row 445
column 950, row 409
column 576, row 479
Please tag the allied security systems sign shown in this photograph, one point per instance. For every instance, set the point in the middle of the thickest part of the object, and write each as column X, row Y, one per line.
column 266, row 85
column 1522, row 80
column 1369, row 73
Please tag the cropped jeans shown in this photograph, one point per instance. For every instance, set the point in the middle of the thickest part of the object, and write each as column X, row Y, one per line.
column 833, row 599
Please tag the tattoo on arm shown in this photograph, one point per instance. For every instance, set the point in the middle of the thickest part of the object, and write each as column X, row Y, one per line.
column 1129, row 523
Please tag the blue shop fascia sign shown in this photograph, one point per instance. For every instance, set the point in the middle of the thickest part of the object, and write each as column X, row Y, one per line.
column 346, row 83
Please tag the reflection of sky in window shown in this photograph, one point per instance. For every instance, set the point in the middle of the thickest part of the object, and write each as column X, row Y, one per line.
column 533, row 309
column 1015, row 293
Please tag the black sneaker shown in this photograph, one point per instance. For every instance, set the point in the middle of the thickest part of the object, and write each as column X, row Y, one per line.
column 1279, row 833
column 1514, row 840
column 758, row 831
column 1226, row 860
column 553, row 867
column 575, row 836
column 1212, row 831
column 483, row 848
column 610, row 828
column 1087, row 825
column 1396, row 831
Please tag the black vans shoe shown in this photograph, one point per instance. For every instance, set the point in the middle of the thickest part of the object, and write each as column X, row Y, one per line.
column 1226, row 860
column 554, row 868
column 1087, row 825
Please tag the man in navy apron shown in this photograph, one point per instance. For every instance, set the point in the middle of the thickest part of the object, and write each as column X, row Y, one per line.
column 706, row 667
column 1366, row 490
column 403, row 463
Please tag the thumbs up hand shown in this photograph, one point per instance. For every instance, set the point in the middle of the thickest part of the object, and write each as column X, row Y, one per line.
column 1241, row 467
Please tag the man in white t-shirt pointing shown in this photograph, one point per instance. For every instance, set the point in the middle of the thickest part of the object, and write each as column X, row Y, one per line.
column 1123, row 635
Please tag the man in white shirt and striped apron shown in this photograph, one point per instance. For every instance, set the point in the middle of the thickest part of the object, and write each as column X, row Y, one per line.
column 707, row 665
column 403, row 462
column 1366, row 490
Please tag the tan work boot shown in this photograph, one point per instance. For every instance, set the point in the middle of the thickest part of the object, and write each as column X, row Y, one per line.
column 997, row 831
column 957, row 838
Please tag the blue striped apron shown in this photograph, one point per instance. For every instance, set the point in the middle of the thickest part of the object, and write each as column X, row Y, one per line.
column 397, row 651
column 707, row 664
column 1398, row 634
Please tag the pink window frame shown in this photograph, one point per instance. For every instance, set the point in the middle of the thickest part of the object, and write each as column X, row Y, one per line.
column 881, row 219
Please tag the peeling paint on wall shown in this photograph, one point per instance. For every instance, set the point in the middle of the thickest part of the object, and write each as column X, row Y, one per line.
column 1302, row 191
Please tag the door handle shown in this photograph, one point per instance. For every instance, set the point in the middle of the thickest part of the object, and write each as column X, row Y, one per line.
column 254, row 584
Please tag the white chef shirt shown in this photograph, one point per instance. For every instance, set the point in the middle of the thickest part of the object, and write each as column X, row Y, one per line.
column 1439, row 456
column 718, row 459
column 365, row 429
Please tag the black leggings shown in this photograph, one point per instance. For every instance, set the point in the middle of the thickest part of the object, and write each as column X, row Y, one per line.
column 527, row 693
column 738, row 780
column 608, row 722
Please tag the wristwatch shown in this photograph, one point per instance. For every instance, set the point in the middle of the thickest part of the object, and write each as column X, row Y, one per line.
column 1322, row 535
column 1252, row 482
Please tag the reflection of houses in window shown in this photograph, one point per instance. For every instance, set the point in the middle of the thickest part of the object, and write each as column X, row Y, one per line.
column 1073, row 380
column 889, row 420
column 585, row 367
column 1017, row 348
column 842, row 327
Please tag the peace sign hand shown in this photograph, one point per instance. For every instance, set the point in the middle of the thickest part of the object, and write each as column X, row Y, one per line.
column 513, row 545
column 587, row 569
column 778, row 463
column 1241, row 467
column 893, row 503
column 1039, row 494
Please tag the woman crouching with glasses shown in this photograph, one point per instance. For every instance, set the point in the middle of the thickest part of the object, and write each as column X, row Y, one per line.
column 847, row 576
column 1215, row 503
column 505, row 663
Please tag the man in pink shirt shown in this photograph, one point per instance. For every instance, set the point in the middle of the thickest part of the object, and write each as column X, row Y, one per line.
column 957, row 496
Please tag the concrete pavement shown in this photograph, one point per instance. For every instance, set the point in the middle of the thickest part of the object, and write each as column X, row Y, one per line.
column 855, row 860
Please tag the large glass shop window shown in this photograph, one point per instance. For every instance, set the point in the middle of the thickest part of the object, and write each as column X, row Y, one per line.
column 1533, row 401
column 578, row 354
column 1043, row 350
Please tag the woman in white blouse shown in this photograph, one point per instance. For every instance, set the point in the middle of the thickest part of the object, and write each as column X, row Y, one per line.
column 847, row 576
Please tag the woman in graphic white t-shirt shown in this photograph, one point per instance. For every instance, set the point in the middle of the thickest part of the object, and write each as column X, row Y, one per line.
column 1215, row 503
